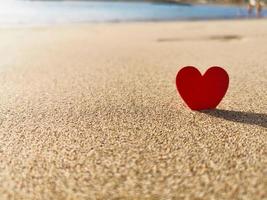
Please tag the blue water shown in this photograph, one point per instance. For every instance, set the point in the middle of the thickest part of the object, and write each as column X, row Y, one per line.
column 51, row 12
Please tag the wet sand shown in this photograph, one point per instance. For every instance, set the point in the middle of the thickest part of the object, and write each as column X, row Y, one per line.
column 92, row 112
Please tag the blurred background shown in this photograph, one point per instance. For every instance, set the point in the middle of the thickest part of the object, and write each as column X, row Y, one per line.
column 26, row 12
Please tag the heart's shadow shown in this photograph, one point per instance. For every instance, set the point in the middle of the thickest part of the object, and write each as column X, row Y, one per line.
column 259, row 119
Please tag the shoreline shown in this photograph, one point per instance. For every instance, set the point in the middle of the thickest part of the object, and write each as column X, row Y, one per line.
column 47, row 25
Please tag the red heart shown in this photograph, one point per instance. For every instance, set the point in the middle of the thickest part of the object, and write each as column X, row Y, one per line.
column 202, row 92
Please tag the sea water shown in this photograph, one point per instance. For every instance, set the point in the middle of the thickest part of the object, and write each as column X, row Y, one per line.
column 19, row 12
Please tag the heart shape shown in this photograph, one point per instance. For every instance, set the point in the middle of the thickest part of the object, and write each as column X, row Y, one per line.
column 202, row 92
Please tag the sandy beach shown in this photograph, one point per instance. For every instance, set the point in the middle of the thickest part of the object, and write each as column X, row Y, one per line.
column 91, row 112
